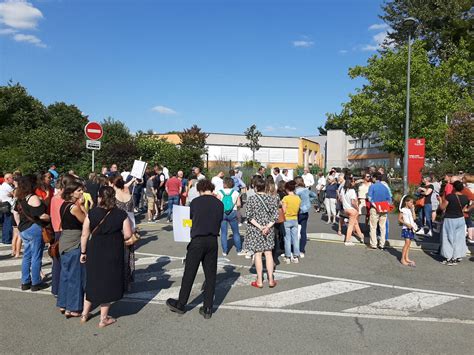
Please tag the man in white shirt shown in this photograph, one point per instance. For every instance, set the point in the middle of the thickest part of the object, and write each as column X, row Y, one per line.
column 199, row 176
column 6, row 195
column 218, row 181
column 166, row 172
column 308, row 178
column 276, row 176
column 320, row 188
column 285, row 175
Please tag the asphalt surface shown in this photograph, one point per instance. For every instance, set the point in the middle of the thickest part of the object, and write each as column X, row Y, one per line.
column 427, row 309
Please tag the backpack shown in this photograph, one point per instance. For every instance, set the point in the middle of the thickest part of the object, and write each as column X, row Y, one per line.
column 227, row 201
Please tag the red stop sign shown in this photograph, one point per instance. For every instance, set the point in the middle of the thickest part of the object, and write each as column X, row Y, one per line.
column 93, row 131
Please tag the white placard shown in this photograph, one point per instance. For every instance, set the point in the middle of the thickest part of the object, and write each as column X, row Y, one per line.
column 93, row 145
column 138, row 169
column 181, row 224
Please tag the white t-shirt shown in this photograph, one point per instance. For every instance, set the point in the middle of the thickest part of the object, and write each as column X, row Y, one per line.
column 218, row 183
column 347, row 197
column 321, row 186
column 308, row 180
column 5, row 190
column 235, row 196
column 407, row 218
column 200, row 177
column 166, row 172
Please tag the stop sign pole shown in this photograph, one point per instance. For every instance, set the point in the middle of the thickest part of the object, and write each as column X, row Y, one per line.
column 94, row 132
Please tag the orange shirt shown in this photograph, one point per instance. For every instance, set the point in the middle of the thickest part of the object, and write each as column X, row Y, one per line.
column 55, row 207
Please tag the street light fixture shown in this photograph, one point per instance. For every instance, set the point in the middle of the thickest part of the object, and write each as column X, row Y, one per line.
column 409, row 24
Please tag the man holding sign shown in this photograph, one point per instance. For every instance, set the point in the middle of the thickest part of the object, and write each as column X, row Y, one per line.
column 206, row 212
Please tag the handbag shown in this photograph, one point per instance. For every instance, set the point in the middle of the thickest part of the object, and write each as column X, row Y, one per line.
column 383, row 207
column 420, row 202
column 281, row 215
column 53, row 249
column 5, row 207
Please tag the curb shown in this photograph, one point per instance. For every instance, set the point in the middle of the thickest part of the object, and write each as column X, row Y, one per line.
column 394, row 243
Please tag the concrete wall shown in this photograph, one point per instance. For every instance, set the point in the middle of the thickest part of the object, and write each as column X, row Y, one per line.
column 336, row 149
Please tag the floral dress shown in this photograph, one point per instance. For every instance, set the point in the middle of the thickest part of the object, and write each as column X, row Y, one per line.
column 264, row 209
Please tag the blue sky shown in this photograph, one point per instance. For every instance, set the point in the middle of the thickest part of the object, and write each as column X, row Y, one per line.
column 165, row 65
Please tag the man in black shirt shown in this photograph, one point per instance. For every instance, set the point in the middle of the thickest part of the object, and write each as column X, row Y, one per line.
column 206, row 213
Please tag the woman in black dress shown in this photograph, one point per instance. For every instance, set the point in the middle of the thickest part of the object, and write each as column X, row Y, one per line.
column 102, row 252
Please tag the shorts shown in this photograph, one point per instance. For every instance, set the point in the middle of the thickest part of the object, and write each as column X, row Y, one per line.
column 150, row 203
column 159, row 194
column 408, row 233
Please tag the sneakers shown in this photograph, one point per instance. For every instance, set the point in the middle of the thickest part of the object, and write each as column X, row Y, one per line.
column 224, row 254
column 174, row 306
column 420, row 231
column 349, row 244
column 242, row 253
column 429, row 234
column 287, row 260
column 295, row 260
column 452, row 262
column 301, row 255
column 205, row 312
column 248, row 255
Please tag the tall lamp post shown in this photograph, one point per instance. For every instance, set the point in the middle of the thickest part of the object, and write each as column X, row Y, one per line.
column 409, row 24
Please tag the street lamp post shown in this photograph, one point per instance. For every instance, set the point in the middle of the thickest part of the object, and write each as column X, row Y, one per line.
column 409, row 23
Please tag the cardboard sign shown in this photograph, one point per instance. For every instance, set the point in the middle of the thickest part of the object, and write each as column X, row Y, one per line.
column 181, row 224
column 138, row 169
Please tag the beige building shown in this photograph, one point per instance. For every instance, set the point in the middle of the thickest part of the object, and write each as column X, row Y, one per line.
column 284, row 152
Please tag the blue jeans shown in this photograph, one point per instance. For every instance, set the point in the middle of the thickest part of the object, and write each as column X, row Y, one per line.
column 426, row 212
column 303, row 222
column 231, row 219
column 32, row 255
column 291, row 238
column 7, row 228
column 56, row 269
column 71, row 281
column 172, row 200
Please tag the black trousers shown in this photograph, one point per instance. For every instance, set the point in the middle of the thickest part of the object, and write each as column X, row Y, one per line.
column 200, row 249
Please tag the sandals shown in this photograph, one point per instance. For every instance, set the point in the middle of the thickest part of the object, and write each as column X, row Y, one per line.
column 272, row 285
column 85, row 318
column 71, row 314
column 256, row 285
column 106, row 321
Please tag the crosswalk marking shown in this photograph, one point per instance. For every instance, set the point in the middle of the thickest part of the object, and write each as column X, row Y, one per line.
column 164, row 294
column 5, row 252
column 16, row 275
column 403, row 305
column 16, row 262
column 300, row 295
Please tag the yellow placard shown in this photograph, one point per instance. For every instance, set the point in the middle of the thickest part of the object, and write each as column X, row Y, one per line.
column 187, row 223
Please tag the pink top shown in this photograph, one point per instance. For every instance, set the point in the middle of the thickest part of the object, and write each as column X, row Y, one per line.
column 55, row 206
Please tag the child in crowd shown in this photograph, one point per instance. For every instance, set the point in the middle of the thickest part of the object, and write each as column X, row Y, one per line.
column 291, row 205
column 407, row 218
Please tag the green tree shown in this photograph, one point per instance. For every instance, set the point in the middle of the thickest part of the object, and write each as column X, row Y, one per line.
column 460, row 141
column 192, row 147
column 252, row 134
column 118, row 145
column 436, row 91
column 443, row 24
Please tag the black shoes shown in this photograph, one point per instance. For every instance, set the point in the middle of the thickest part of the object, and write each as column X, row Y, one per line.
column 39, row 287
column 25, row 287
column 174, row 306
column 205, row 312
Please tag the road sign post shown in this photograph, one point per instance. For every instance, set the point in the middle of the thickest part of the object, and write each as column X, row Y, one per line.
column 94, row 132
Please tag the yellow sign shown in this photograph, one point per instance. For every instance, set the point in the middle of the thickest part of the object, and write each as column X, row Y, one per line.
column 187, row 223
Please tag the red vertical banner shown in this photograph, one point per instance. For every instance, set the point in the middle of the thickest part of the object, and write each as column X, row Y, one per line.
column 416, row 160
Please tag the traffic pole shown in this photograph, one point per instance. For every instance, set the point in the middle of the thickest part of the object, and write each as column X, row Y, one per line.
column 93, row 156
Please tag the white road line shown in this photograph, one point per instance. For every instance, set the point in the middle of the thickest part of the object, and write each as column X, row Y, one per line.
column 16, row 262
column 403, row 305
column 16, row 275
column 300, row 295
column 160, row 256
column 153, row 260
column 349, row 280
column 376, row 284
column 158, row 275
column 5, row 252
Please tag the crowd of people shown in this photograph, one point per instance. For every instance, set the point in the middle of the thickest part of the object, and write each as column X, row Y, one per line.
column 94, row 223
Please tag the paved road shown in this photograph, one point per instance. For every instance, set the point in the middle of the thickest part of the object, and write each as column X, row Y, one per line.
column 337, row 300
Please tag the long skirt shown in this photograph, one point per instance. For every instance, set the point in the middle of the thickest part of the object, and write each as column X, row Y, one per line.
column 453, row 238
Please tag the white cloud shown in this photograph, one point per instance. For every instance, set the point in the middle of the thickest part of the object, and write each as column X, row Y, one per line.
column 343, row 51
column 7, row 31
column 19, row 14
column 303, row 43
column 378, row 26
column 279, row 128
column 369, row 48
column 164, row 110
column 20, row 37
